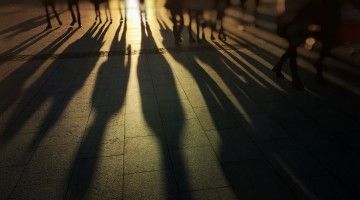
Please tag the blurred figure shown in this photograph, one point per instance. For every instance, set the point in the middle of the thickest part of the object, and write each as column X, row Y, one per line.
column 292, row 25
column 256, row 6
column 97, row 10
column 196, row 9
column 143, row 10
column 75, row 3
column 121, row 9
column 47, row 4
column 242, row 5
column 220, row 7
column 320, row 18
column 177, row 18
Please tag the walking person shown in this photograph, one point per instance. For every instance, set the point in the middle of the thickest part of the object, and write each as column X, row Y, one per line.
column 177, row 18
column 75, row 3
column 98, row 12
column 47, row 4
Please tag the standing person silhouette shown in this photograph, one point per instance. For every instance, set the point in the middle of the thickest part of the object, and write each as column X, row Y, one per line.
column 96, row 4
column 75, row 3
column 47, row 4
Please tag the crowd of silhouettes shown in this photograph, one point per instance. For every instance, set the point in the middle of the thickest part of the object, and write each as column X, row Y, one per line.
column 293, row 24
column 318, row 18
column 195, row 11
column 76, row 18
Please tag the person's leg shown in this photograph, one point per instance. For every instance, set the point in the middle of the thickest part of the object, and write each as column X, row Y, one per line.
column 197, row 20
column 97, row 11
column 278, row 67
column 108, row 9
column 72, row 13
column 191, row 38
column 296, row 82
column 325, row 51
column 47, row 16
column 56, row 14
column 222, row 35
column 213, row 27
column 78, row 13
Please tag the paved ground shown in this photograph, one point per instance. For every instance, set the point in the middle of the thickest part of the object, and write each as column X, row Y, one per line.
column 116, row 111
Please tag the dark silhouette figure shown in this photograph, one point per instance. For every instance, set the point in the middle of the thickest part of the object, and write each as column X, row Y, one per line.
column 107, row 100
column 47, row 4
column 173, row 136
column 196, row 13
column 234, row 144
column 220, row 7
column 67, row 75
column 177, row 18
column 26, row 70
column 77, row 19
column 122, row 15
column 325, row 15
column 24, row 26
column 294, row 27
column 98, row 12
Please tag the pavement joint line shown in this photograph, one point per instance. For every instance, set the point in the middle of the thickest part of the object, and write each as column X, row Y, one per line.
column 90, row 54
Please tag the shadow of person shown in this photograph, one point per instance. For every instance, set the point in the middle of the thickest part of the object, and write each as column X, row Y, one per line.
column 51, row 4
column 14, row 51
column 25, row 26
column 155, row 71
column 56, row 86
column 108, row 98
column 14, row 83
column 226, row 104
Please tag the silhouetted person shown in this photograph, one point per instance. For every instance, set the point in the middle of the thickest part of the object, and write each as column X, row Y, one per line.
column 97, row 9
column 220, row 7
column 243, row 8
column 196, row 9
column 292, row 25
column 75, row 3
column 177, row 18
column 47, row 4
column 295, row 25
column 120, row 10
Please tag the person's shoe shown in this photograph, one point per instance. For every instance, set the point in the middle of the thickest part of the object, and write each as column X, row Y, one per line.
column 73, row 23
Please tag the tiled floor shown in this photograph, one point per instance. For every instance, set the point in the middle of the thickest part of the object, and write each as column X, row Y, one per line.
column 117, row 111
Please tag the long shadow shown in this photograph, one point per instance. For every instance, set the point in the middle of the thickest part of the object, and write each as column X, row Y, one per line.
column 286, row 164
column 166, row 93
column 229, row 120
column 28, row 23
column 108, row 99
column 26, row 26
column 67, row 75
column 14, row 82
column 11, row 53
